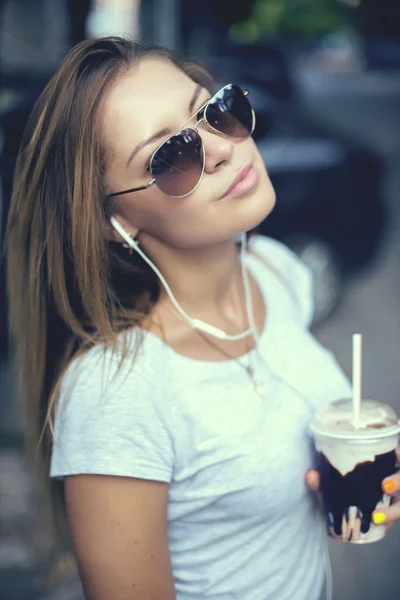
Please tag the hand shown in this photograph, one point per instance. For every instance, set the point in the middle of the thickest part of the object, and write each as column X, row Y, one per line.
column 391, row 513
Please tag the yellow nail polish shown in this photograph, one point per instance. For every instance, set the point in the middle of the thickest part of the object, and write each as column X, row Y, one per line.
column 379, row 518
column 389, row 486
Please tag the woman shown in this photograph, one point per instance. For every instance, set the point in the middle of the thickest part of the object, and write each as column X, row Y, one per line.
column 180, row 373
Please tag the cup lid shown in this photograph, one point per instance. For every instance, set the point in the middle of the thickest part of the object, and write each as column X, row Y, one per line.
column 377, row 420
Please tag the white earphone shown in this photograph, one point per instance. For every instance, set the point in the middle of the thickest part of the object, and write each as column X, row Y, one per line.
column 197, row 323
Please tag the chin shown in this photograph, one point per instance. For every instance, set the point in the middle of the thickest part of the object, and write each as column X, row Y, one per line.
column 259, row 206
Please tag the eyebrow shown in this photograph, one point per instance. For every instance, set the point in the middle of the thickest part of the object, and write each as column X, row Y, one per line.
column 164, row 131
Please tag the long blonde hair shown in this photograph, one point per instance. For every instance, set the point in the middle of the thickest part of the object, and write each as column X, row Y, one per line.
column 69, row 288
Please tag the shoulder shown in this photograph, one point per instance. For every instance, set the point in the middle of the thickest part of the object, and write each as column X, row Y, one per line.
column 113, row 417
column 108, row 376
column 294, row 274
column 111, row 363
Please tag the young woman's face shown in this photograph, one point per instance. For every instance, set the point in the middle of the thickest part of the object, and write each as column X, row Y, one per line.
column 153, row 96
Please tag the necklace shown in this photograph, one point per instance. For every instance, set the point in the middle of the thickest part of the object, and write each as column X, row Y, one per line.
column 256, row 385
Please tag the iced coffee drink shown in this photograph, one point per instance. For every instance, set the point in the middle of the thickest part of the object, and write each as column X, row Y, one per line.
column 352, row 462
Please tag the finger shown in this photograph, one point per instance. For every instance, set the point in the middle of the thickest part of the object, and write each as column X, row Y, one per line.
column 387, row 515
column 357, row 529
column 391, row 484
column 313, row 480
column 398, row 453
column 345, row 529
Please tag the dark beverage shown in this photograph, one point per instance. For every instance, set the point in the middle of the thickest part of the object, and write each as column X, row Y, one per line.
column 351, row 499
column 352, row 463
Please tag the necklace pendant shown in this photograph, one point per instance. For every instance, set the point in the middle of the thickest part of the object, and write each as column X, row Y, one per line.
column 255, row 386
column 258, row 388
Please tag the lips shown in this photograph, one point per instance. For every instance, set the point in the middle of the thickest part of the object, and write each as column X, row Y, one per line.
column 239, row 177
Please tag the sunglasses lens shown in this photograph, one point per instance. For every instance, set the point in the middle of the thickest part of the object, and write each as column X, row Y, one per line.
column 230, row 112
column 178, row 164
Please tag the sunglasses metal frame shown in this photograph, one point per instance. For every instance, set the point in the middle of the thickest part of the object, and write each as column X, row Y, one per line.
column 203, row 118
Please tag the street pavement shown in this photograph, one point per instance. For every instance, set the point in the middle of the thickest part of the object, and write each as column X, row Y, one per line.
column 363, row 106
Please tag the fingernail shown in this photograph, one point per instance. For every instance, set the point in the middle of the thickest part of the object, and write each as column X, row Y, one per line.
column 389, row 486
column 378, row 518
column 311, row 473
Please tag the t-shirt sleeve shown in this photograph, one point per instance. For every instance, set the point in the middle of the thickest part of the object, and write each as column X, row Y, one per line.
column 293, row 272
column 111, row 421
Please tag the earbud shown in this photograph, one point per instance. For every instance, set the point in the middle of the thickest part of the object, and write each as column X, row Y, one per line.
column 125, row 236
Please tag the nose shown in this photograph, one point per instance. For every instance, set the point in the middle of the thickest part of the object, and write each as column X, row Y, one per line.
column 217, row 149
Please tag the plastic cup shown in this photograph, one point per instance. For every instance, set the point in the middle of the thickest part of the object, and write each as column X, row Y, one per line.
column 352, row 463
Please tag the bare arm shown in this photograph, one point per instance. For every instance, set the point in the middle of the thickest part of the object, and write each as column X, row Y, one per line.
column 119, row 529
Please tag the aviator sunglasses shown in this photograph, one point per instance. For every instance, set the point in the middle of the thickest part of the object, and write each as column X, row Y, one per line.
column 177, row 165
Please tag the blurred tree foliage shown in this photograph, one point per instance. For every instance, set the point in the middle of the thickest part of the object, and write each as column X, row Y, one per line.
column 296, row 19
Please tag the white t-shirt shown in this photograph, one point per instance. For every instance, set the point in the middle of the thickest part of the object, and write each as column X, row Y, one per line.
column 242, row 524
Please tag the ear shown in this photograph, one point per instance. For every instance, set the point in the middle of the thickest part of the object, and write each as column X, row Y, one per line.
column 113, row 235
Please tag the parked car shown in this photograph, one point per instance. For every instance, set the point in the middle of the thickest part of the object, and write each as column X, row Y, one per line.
column 263, row 63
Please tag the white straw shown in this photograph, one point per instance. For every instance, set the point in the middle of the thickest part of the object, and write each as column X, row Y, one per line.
column 357, row 357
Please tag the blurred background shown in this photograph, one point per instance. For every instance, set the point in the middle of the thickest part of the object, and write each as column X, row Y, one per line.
column 324, row 78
